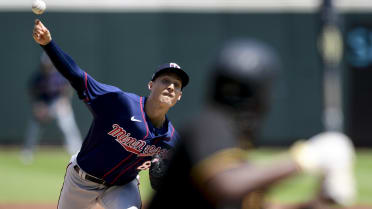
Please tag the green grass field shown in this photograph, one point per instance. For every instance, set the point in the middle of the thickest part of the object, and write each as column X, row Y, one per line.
column 41, row 181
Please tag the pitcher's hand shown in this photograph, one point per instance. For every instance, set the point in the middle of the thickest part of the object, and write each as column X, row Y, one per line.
column 41, row 34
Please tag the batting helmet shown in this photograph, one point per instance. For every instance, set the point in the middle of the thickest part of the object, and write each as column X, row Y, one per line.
column 243, row 73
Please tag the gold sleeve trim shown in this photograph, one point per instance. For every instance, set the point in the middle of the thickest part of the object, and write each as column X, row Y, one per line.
column 216, row 163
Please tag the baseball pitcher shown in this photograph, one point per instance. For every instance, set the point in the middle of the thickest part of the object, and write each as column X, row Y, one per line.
column 127, row 130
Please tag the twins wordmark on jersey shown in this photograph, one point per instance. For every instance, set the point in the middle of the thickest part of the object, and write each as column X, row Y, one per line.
column 133, row 145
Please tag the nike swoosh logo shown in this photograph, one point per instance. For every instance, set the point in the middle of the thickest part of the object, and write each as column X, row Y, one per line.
column 135, row 120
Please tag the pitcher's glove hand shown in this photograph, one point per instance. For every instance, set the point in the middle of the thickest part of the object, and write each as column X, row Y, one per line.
column 157, row 171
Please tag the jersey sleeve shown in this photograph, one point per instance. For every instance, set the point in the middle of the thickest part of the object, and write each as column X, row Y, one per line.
column 88, row 89
column 93, row 89
column 66, row 66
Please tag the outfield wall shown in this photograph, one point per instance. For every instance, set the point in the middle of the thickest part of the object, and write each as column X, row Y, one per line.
column 123, row 48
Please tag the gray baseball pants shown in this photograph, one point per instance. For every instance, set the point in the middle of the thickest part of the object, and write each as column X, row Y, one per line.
column 84, row 194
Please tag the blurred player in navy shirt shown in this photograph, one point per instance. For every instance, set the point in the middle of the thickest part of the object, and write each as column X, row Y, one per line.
column 50, row 95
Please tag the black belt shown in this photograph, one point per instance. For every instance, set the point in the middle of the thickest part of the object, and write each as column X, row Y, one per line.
column 90, row 177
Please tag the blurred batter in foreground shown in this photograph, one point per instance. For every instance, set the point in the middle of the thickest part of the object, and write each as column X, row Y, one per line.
column 212, row 170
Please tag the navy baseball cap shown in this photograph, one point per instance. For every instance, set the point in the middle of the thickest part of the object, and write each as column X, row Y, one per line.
column 172, row 67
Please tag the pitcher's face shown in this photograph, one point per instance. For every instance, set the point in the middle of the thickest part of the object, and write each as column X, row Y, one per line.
column 167, row 88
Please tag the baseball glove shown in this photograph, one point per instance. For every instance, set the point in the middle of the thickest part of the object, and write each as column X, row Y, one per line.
column 157, row 171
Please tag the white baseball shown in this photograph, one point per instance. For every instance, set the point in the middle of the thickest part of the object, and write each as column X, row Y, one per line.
column 38, row 7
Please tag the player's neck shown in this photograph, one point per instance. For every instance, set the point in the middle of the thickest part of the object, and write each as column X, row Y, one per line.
column 155, row 112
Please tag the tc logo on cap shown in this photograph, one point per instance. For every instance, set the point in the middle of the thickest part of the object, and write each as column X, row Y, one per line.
column 174, row 65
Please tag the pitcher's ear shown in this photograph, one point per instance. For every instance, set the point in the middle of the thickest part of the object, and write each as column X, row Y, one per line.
column 149, row 85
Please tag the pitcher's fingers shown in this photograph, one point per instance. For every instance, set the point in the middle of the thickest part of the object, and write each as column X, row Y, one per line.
column 37, row 31
column 39, row 23
column 36, row 37
column 38, row 27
